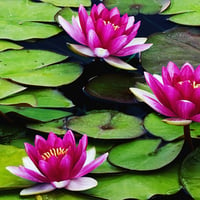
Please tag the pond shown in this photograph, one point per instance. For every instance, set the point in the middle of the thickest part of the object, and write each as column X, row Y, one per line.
column 48, row 84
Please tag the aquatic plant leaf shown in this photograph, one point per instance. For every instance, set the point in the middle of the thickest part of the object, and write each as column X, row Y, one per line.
column 184, row 12
column 8, row 88
column 154, row 124
column 144, row 154
column 106, row 124
column 4, row 45
column 173, row 44
column 19, row 20
column 67, row 14
column 64, row 3
column 135, row 7
column 51, row 76
column 137, row 185
column 38, row 114
column 39, row 98
column 11, row 156
column 112, row 87
column 190, row 173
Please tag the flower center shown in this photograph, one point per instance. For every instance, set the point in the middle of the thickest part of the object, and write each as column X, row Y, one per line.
column 54, row 152
column 114, row 26
column 193, row 83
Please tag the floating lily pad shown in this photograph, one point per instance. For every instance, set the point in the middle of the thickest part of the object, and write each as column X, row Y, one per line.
column 154, row 124
column 4, row 45
column 14, row 195
column 18, row 20
column 67, row 13
column 39, row 114
column 135, row 7
column 190, row 173
column 173, row 44
column 112, row 87
column 11, row 156
column 8, row 88
column 64, row 3
column 144, row 154
column 39, row 98
column 51, row 76
column 137, row 185
column 56, row 126
column 184, row 12
column 105, row 124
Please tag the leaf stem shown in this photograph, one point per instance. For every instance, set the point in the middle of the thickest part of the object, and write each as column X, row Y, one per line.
column 187, row 137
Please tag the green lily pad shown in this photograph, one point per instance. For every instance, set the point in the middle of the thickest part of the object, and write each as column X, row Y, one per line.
column 4, row 45
column 144, row 154
column 67, row 14
column 64, row 3
column 56, row 126
column 8, row 88
column 39, row 98
column 112, row 87
column 11, row 156
column 154, row 124
column 105, row 124
column 173, row 44
column 14, row 195
column 135, row 7
column 190, row 173
column 18, row 20
column 137, row 185
column 51, row 76
column 38, row 114
column 184, row 12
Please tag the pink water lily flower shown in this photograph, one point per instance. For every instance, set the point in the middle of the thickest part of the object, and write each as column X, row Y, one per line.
column 176, row 93
column 105, row 34
column 58, row 163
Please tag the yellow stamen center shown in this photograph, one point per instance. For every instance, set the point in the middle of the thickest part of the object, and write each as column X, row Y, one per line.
column 54, row 152
column 193, row 83
column 114, row 26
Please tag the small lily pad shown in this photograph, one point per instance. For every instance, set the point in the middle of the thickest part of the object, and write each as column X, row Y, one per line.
column 135, row 7
column 64, row 3
column 4, row 45
column 112, row 87
column 146, row 154
column 38, row 114
column 105, row 124
column 190, row 173
column 137, row 185
column 39, row 98
column 173, row 44
column 154, row 124
column 184, row 12
column 11, row 156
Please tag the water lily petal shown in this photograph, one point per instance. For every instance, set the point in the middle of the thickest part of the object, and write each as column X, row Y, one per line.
column 196, row 118
column 27, row 174
column 133, row 49
column 75, row 32
column 93, row 39
column 116, row 62
column 28, row 163
column 114, row 11
column 69, row 139
column 65, row 166
column 185, row 109
column 60, row 184
column 101, row 52
column 130, row 23
column 82, row 13
column 152, row 101
column 93, row 165
column 32, row 152
column 91, row 153
column 82, row 183
column 197, row 74
column 187, row 72
column 38, row 189
column 136, row 41
column 53, row 141
column 177, row 121
column 41, row 144
column 82, row 50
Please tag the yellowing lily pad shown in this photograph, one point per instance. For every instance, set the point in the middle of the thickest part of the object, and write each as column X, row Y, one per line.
column 106, row 124
column 173, row 44
column 11, row 156
column 144, row 154
column 184, row 12
column 4, row 45
column 137, row 185
column 190, row 173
